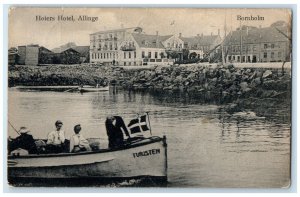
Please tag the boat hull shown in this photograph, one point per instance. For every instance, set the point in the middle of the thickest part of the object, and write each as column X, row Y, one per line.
column 146, row 159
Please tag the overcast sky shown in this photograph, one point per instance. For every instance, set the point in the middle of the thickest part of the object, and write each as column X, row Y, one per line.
column 24, row 29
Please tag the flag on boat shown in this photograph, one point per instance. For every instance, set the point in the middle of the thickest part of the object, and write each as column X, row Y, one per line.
column 138, row 125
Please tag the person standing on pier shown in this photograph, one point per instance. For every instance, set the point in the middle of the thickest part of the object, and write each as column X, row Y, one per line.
column 56, row 139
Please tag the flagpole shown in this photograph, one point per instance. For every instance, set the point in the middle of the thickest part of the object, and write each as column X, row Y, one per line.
column 149, row 122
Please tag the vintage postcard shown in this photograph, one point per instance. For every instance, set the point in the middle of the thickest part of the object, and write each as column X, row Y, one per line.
column 149, row 97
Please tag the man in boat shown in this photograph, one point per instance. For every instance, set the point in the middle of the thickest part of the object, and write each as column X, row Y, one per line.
column 56, row 139
column 77, row 142
column 24, row 141
column 115, row 127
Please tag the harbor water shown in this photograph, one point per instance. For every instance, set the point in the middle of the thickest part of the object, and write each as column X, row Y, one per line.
column 208, row 147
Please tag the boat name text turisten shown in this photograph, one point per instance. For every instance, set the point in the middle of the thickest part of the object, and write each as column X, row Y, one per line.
column 146, row 153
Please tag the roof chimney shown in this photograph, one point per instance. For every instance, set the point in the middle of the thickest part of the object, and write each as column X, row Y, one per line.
column 202, row 35
column 180, row 35
column 157, row 33
column 198, row 35
column 218, row 32
column 211, row 33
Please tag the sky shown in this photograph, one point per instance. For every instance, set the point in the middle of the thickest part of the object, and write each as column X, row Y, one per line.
column 25, row 29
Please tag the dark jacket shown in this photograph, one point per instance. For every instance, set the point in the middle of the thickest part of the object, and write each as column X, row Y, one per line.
column 114, row 132
column 24, row 141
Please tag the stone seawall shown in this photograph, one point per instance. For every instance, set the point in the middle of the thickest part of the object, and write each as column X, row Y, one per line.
column 227, row 82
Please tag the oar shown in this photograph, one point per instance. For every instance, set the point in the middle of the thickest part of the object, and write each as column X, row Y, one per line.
column 70, row 89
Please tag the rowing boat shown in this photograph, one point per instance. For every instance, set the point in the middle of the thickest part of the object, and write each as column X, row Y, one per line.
column 93, row 89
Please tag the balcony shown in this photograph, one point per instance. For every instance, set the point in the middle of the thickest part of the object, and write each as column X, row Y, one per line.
column 170, row 49
column 128, row 48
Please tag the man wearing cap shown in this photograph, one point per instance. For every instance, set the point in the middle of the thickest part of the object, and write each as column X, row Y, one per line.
column 78, row 142
column 56, row 139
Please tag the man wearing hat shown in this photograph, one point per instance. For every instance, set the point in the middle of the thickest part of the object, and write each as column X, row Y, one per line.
column 56, row 139
column 24, row 141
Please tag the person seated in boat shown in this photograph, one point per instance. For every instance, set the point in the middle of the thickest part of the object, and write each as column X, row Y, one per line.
column 115, row 127
column 56, row 139
column 77, row 142
column 23, row 141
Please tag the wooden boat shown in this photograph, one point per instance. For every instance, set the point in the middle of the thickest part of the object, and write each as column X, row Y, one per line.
column 93, row 89
column 144, row 158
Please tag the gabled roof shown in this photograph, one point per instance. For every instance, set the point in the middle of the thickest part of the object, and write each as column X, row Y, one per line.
column 256, row 35
column 41, row 48
column 150, row 41
column 70, row 49
column 83, row 50
column 117, row 30
column 200, row 40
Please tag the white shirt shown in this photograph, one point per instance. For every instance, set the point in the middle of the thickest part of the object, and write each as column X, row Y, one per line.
column 56, row 137
column 79, row 140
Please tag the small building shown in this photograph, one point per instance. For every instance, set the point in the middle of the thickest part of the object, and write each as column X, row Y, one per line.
column 45, row 56
column 69, row 56
column 13, row 56
column 34, row 55
column 84, row 53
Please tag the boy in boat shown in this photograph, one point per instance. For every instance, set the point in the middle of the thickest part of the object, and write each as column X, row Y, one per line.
column 115, row 127
column 56, row 139
column 77, row 142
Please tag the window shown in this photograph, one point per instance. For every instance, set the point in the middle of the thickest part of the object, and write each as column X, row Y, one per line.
column 134, row 54
column 265, row 46
column 129, row 55
column 272, row 54
column 143, row 54
column 124, row 55
column 129, row 62
column 149, row 54
column 155, row 55
column 92, row 55
column 98, row 55
column 110, row 47
column 238, row 58
column 180, row 45
column 110, row 55
column 116, row 46
column 272, row 46
column 265, row 55
column 254, row 47
column 279, row 54
column 124, row 63
column 101, row 56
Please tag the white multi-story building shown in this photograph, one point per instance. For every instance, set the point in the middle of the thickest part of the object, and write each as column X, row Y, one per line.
column 127, row 47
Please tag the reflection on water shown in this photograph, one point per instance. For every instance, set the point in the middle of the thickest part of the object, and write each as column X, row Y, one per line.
column 207, row 147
